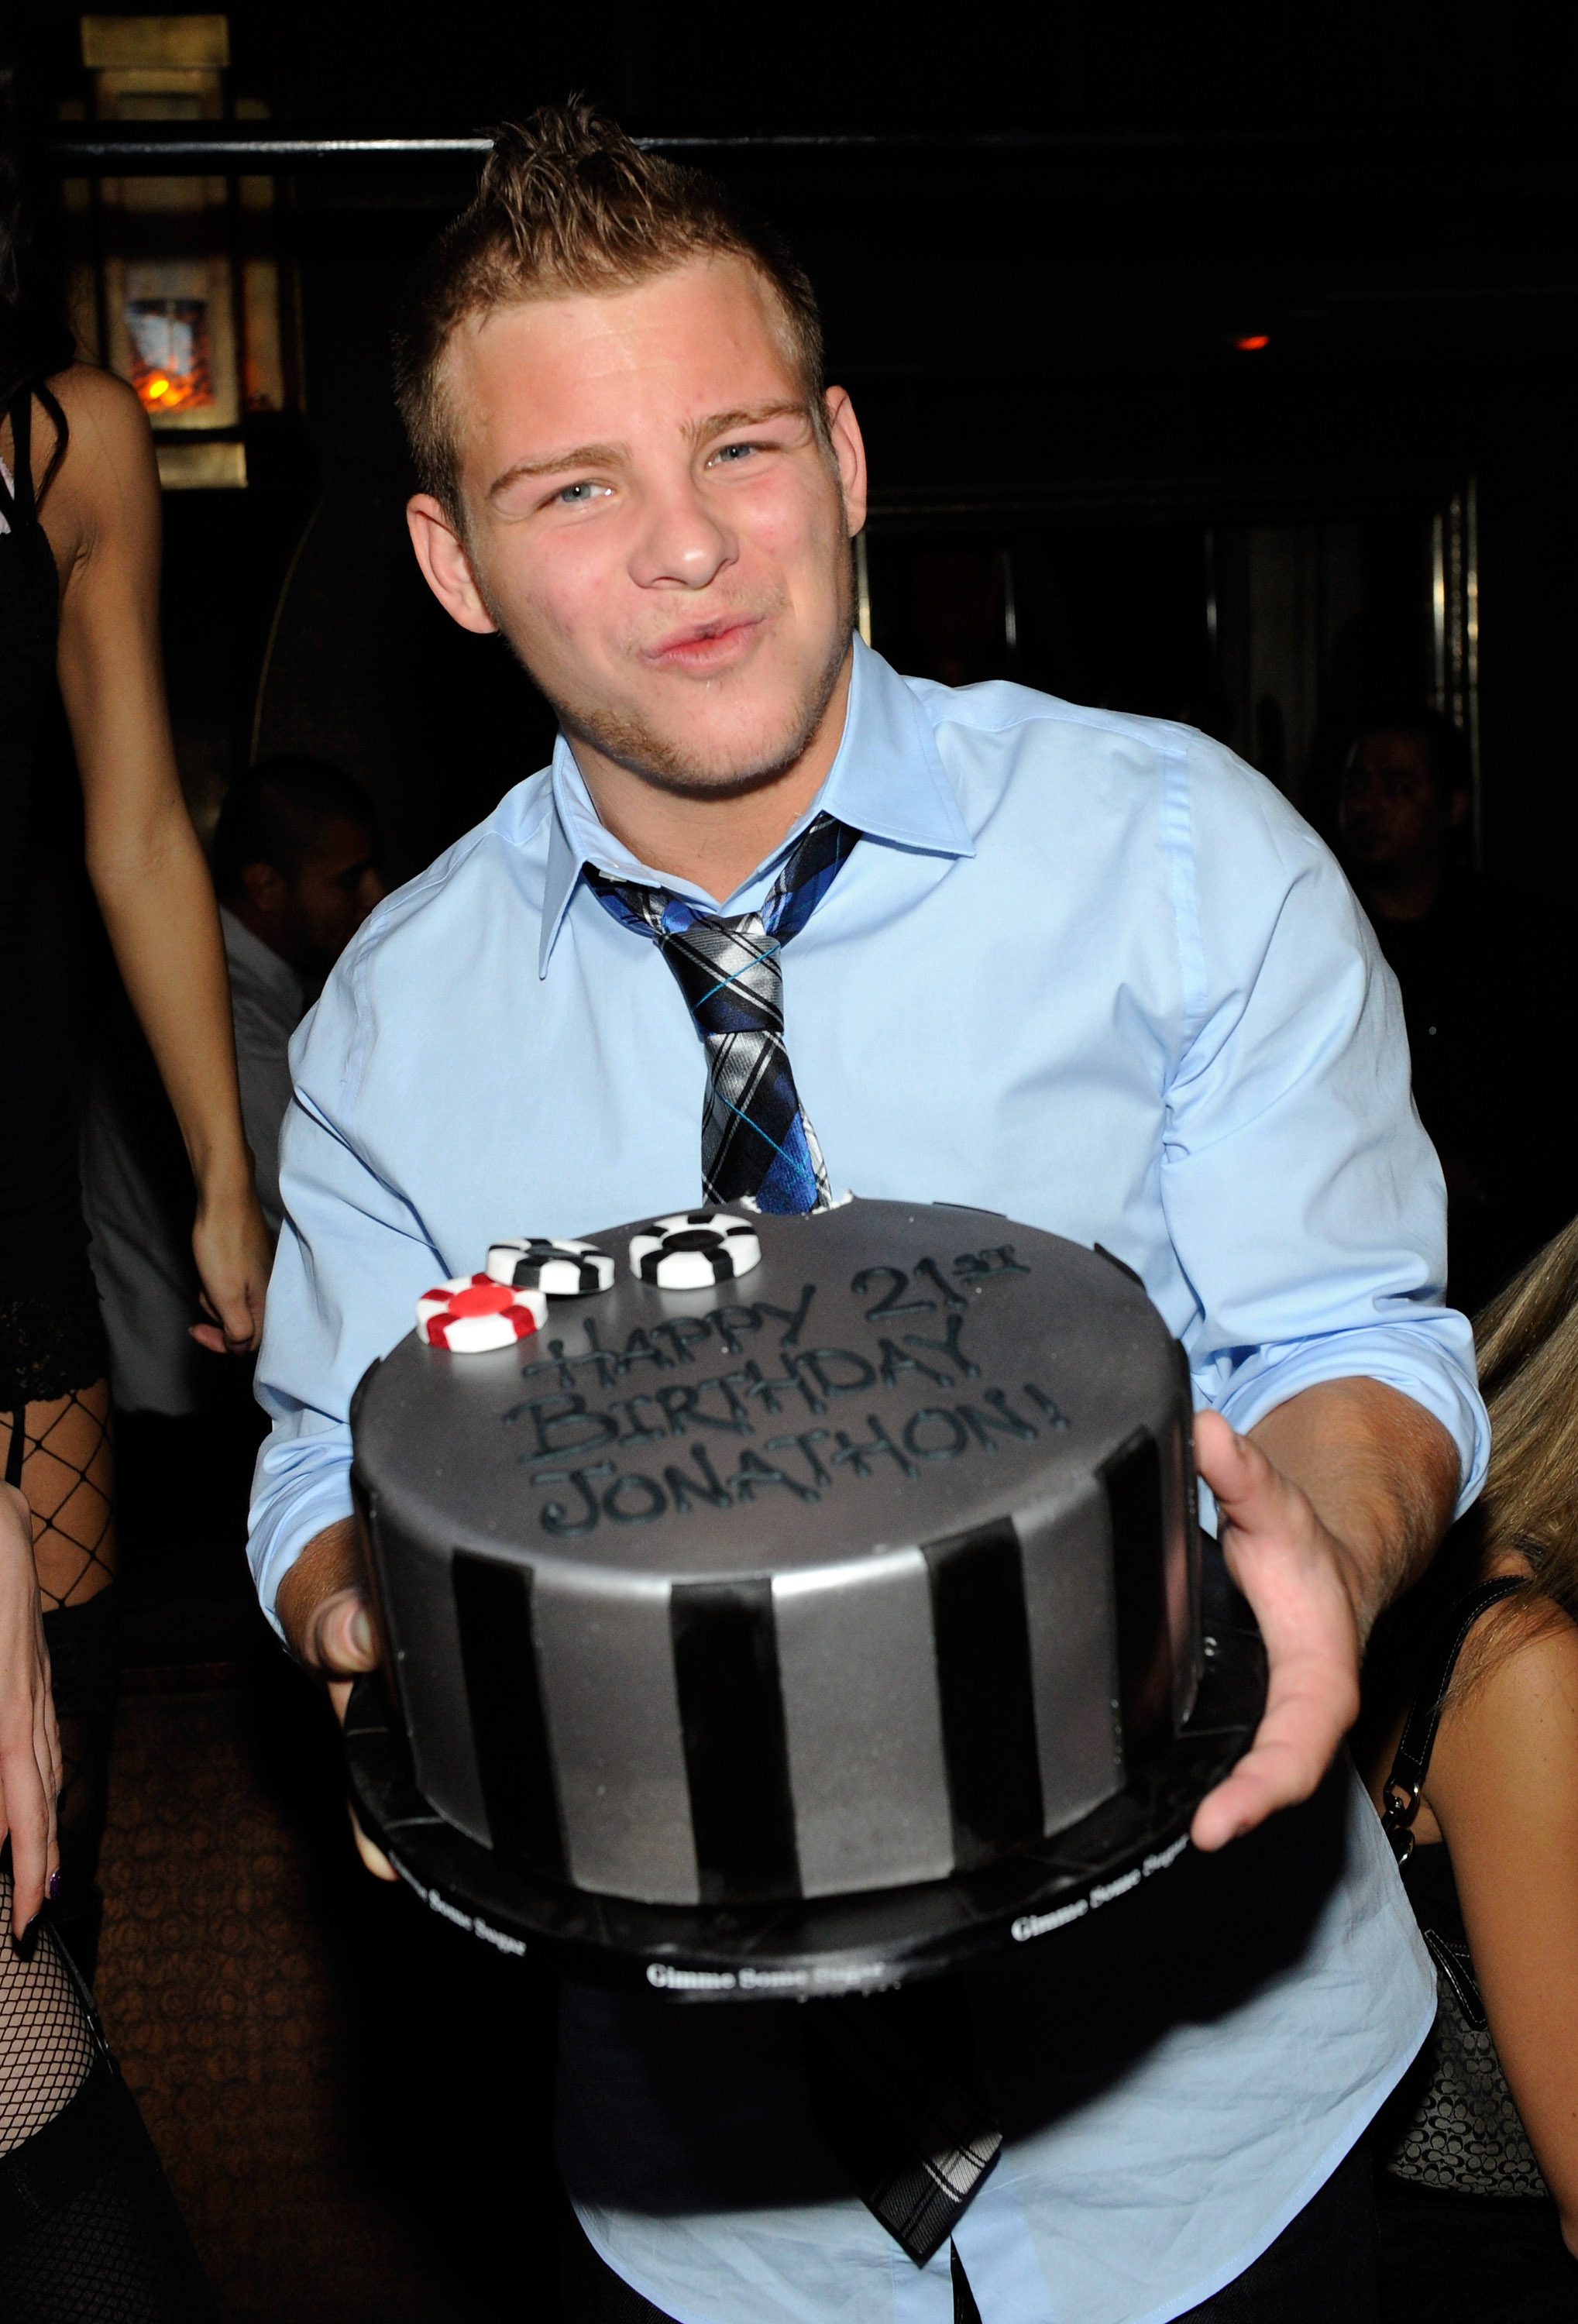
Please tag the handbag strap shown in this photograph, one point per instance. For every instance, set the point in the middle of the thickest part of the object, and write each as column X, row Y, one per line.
column 18, row 504
column 1406, row 1780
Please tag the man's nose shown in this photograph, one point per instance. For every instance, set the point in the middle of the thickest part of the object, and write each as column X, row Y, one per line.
column 681, row 544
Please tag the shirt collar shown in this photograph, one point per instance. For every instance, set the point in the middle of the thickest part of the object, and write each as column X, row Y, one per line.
column 887, row 782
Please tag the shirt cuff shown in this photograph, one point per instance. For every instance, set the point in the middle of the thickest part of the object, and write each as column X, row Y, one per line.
column 273, row 1549
column 1433, row 1374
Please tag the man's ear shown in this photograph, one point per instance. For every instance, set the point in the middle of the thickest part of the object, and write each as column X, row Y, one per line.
column 849, row 453
column 1457, row 807
column 446, row 565
column 267, row 890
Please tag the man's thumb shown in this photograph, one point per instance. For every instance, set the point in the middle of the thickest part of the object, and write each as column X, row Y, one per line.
column 1225, row 1459
column 346, row 1640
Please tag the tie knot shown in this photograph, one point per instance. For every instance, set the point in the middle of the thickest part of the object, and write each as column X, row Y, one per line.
column 729, row 973
column 757, row 1143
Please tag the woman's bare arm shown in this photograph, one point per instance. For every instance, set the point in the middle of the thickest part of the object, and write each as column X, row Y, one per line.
column 102, row 515
column 1503, row 1784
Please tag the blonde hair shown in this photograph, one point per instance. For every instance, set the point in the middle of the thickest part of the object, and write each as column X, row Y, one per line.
column 568, row 202
column 1527, row 1343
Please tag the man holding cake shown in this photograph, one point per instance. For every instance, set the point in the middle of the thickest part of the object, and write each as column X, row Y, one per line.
column 1077, row 967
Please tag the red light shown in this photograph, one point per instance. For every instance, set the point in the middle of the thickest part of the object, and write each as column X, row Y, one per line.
column 1254, row 341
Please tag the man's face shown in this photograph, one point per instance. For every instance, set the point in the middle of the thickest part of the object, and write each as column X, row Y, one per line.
column 334, row 890
column 656, row 524
column 1392, row 813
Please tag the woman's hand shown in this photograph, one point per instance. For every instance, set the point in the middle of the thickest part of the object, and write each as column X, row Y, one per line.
column 30, row 1772
column 234, row 1253
column 103, row 519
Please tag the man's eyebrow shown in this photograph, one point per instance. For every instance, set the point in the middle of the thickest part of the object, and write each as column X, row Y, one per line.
column 605, row 456
column 584, row 456
column 746, row 415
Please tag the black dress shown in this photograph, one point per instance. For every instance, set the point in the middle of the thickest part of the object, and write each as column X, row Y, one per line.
column 51, row 1334
column 52, row 1337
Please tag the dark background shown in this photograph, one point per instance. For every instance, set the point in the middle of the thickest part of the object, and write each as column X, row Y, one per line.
column 1039, row 339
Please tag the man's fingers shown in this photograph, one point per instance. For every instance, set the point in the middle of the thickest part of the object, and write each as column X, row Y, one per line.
column 1289, row 1755
column 342, row 1639
column 209, row 1336
column 374, row 1858
column 377, row 1862
column 1292, row 1571
column 1312, row 1694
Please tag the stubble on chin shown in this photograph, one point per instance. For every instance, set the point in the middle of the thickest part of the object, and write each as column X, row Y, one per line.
column 630, row 741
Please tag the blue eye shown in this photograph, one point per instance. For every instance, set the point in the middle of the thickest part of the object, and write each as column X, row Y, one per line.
column 734, row 452
column 578, row 495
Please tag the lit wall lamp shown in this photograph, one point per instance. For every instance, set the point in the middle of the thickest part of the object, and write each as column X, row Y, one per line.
column 177, row 284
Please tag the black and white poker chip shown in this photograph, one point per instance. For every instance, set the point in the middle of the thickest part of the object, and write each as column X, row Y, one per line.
column 694, row 1250
column 564, row 1269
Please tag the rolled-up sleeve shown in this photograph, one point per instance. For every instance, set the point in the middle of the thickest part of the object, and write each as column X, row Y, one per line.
column 1304, row 1199
column 352, row 1258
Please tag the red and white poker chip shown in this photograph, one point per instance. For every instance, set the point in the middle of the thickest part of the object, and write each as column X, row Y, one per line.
column 472, row 1313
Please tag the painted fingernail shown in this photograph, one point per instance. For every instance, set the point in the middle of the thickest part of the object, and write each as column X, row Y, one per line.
column 52, row 1887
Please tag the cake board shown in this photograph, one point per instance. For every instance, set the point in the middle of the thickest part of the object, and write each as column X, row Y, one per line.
column 803, row 1950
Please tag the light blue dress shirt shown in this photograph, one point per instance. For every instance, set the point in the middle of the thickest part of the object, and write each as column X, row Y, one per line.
column 1085, row 969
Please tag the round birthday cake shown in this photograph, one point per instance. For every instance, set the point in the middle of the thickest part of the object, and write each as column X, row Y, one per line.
column 724, row 1558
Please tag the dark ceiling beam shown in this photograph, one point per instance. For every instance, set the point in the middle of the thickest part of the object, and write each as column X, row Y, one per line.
column 133, row 148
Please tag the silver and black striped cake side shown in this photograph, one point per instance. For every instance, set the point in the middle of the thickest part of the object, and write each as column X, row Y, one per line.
column 876, row 1724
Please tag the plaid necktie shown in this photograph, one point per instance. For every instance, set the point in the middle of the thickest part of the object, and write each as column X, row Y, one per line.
column 756, row 1140
column 894, row 2083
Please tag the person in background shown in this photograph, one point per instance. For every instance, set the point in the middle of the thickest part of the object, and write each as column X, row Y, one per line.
column 80, row 553
column 295, row 866
column 87, row 2224
column 1482, row 991
column 1478, row 2195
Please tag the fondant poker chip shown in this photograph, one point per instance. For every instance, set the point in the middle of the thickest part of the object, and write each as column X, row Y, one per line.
column 564, row 1269
column 471, row 1314
column 694, row 1250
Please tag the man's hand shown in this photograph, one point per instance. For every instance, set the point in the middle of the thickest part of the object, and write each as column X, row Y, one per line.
column 327, row 1617
column 1331, row 1508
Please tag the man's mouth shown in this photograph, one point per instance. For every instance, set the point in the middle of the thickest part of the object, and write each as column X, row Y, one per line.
column 702, row 647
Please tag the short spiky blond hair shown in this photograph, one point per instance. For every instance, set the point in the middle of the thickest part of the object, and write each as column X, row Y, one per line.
column 568, row 202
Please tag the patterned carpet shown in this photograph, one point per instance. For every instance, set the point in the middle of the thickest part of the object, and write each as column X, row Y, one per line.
column 350, row 2102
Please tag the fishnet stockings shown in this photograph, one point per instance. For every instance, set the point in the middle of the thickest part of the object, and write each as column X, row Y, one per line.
column 89, row 2233
column 46, row 2040
column 68, row 1474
